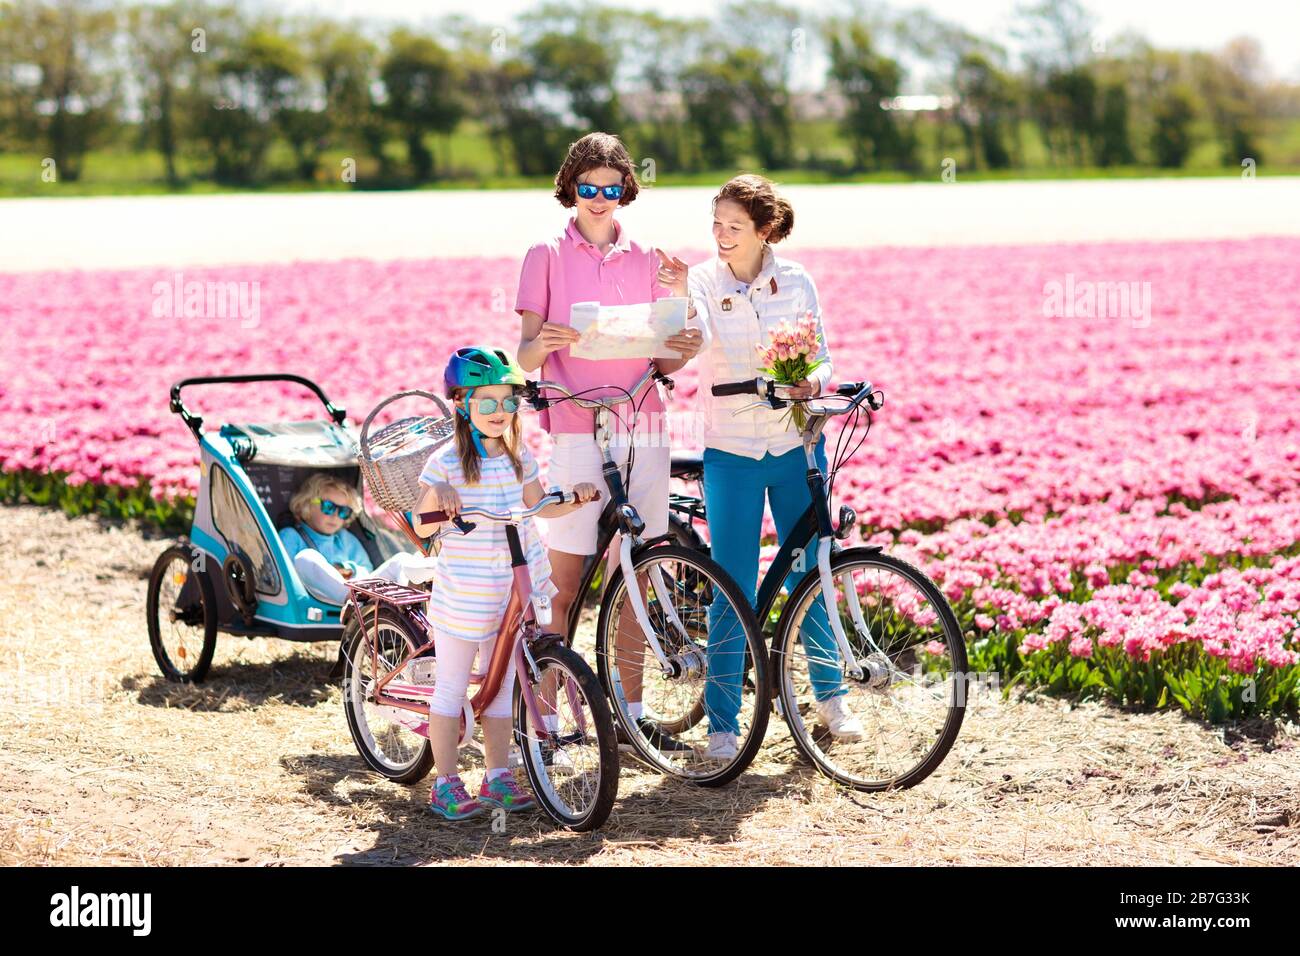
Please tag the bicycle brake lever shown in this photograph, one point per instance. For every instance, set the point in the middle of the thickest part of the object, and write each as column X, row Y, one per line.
column 778, row 403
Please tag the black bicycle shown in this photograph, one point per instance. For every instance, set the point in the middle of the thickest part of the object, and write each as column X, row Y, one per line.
column 680, row 636
column 889, row 659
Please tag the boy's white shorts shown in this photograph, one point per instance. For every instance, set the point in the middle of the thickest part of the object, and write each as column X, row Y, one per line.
column 575, row 458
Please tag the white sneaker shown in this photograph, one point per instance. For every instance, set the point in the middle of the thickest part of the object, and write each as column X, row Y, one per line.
column 839, row 720
column 723, row 746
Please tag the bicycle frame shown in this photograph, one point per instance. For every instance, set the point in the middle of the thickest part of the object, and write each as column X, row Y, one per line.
column 606, row 528
column 518, row 629
column 629, row 522
column 815, row 526
column 808, row 531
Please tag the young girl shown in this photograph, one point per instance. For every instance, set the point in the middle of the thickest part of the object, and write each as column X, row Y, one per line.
column 754, row 455
column 486, row 466
column 323, row 551
column 593, row 260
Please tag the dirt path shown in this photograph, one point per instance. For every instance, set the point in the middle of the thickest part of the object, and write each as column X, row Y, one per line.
column 104, row 762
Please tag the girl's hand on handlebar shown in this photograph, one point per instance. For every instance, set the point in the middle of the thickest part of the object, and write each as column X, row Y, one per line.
column 443, row 497
column 585, row 492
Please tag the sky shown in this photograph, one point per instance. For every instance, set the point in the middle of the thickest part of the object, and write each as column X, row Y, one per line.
column 1203, row 24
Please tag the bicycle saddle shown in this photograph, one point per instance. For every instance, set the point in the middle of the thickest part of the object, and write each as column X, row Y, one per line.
column 688, row 467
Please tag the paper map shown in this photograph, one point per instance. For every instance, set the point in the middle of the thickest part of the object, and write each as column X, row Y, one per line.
column 627, row 331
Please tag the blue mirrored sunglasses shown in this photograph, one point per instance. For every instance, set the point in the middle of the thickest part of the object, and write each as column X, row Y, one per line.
column 329, row 508
column 588, row 191
column 488, row 406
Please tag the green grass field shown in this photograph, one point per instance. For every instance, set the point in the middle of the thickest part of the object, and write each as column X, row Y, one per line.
column 467, row 160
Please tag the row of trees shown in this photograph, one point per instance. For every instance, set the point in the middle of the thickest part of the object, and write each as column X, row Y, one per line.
column 221, row 84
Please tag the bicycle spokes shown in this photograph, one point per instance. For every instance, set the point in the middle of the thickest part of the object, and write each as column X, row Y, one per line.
column 387, row 730
column 704, row 684
column 563, row 752
column 875, row 720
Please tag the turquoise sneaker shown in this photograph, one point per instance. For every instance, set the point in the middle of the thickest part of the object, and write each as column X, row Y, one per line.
column 451, row 801
column 505, row 793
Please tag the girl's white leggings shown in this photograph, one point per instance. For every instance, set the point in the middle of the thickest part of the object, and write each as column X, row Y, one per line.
column 455, row 658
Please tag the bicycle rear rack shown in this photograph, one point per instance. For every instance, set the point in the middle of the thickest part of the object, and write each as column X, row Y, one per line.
column 379, row 589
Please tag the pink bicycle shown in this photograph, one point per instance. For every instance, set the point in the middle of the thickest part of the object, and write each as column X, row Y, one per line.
column 562, row 723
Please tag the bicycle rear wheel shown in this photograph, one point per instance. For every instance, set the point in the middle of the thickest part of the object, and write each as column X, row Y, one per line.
column 572, row 766
column 717, row 680
column 912, row 696
column 385, row 736
column 182, row 615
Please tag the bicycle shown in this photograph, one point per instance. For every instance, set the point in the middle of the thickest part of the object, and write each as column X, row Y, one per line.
column 905, row 656
column 666, row 617
column 389, row 673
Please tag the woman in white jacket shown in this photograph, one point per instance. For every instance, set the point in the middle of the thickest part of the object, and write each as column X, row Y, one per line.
column 755, row 455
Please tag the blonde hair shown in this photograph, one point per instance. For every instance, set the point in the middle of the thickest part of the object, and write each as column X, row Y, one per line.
column 468, row 454
column 315, row 486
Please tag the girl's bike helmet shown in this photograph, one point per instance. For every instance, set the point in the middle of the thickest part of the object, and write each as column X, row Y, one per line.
column 473, row 366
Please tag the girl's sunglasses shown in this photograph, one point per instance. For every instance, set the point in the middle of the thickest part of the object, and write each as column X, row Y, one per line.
column 328, row 507
column 588, row 191
column 488, row 406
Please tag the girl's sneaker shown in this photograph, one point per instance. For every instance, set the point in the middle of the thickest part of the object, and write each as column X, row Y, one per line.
column 451, row 801
column 505, row 793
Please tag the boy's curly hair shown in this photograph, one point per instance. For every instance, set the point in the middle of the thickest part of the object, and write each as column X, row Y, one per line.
column 594, row 151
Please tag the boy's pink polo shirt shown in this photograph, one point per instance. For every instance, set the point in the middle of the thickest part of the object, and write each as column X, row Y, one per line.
column 569, row 269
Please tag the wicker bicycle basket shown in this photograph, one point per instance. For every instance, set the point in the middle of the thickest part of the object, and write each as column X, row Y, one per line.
column 393, row 457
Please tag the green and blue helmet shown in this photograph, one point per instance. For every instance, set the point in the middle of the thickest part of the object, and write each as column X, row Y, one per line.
column 474, row 365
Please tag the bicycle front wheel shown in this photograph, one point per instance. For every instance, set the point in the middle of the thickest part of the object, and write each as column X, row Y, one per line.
column 703, row 716
column 891, row 727
column 572, row 759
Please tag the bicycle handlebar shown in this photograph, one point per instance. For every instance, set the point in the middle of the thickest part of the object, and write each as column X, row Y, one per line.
column 737, row 388
column 532, row 390
column 514, row 516
column 768, row 390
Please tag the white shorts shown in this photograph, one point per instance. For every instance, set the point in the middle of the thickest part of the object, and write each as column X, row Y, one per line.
column 575, row 458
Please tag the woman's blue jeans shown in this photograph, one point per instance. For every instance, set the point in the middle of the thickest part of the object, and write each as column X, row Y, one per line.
column 734, row 491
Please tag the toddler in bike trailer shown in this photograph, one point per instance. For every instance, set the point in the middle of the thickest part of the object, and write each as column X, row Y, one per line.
column 324, row 552
column 485, row 466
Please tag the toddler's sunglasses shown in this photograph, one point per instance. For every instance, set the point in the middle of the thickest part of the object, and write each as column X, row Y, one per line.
column 488, row 406
column 588, row 191
column 329, row 507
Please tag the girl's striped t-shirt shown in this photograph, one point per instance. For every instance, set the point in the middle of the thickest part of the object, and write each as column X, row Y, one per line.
column 472, row 588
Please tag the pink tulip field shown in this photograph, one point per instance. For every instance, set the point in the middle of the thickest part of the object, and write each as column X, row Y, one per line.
column 1106, row 486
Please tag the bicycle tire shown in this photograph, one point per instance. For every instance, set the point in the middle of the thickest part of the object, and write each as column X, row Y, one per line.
column 606, row 790
column 783, row 661
column 760, row 687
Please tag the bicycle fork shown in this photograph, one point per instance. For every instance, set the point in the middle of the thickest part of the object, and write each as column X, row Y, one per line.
column 877, row 671
column 629, row 540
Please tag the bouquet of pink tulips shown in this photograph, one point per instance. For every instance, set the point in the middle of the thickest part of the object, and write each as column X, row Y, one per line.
column 787, row 358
